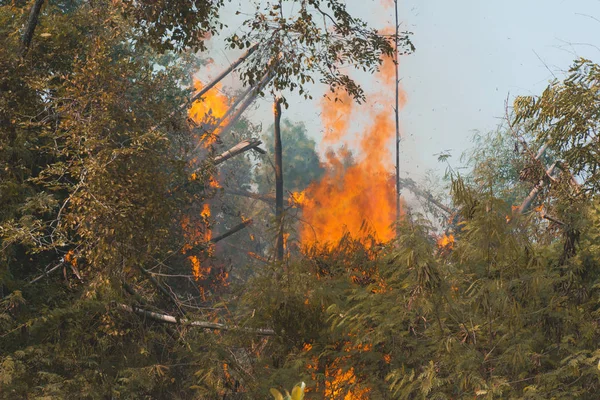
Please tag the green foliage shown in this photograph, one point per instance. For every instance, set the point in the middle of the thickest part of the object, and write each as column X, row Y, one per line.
column 301, row 160
column 566, row 116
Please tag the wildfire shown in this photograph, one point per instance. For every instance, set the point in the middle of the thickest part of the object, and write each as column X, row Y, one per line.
column 209, row 111
column 199, row 271
column 348, row 199
column 446, row 241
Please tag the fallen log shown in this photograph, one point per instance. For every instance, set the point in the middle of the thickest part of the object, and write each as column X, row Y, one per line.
column 169, row 319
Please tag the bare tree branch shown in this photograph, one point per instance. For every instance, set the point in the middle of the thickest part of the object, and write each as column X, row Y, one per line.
column 169, row 319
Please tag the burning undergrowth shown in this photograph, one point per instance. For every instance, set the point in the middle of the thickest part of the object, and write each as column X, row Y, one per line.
column 301, row 308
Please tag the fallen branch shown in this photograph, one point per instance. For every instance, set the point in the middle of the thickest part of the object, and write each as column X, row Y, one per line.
column 239, row 148
column 251, row 98
column 57, row 266
column 552, row 219
column 169, row 319
column 232, row 231
column 412, row 186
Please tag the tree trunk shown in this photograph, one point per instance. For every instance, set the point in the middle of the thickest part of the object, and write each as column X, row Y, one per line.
column 31, row 24
column 278, row 180
column 396, row 112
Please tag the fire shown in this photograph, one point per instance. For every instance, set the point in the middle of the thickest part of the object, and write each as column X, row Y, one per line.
column 209, row 111
column 199, row 271
column 336, row 116
column 214, row 183
column 348, row 199
column 338, row 382
column 446, row 241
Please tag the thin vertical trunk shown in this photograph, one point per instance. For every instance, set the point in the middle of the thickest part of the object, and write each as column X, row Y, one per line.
column 31, row 24
column 396, row 111
column 278, row 179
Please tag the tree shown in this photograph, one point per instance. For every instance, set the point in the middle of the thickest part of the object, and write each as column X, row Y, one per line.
column 301, row 160
column 565, row 117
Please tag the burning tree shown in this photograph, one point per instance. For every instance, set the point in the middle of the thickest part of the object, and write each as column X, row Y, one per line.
column 100, row 169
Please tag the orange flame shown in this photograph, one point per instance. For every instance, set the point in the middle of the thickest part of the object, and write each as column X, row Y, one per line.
column 337, row 117
column 199, row 271
column 446, row 241
column 209, row 111
column 348, row 199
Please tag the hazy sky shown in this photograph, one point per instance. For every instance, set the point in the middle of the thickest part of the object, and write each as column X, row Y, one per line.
column 471, row 55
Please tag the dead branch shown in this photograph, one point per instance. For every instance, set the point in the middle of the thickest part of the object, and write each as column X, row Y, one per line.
column 232, row 231
column 239, row 148
column 222, row 75
column 169, row 319
column 535, row 192
column 412, row 186
column 552, row 219
column 249, row 100
column 162, row 289
column 57, row 266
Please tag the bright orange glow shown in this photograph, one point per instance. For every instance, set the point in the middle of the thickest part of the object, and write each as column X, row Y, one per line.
column 213, row 183
column 350, row 199
column 205, row 213
column 198, row 270
column 208, row 111
column 71, row 258
column 338, row 382
column 446, row 241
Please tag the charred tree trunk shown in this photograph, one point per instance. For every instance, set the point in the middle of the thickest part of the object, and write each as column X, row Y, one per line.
column 278, row 180
column 31, row 24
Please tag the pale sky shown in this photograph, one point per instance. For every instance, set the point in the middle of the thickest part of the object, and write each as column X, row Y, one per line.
column 471, row 55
